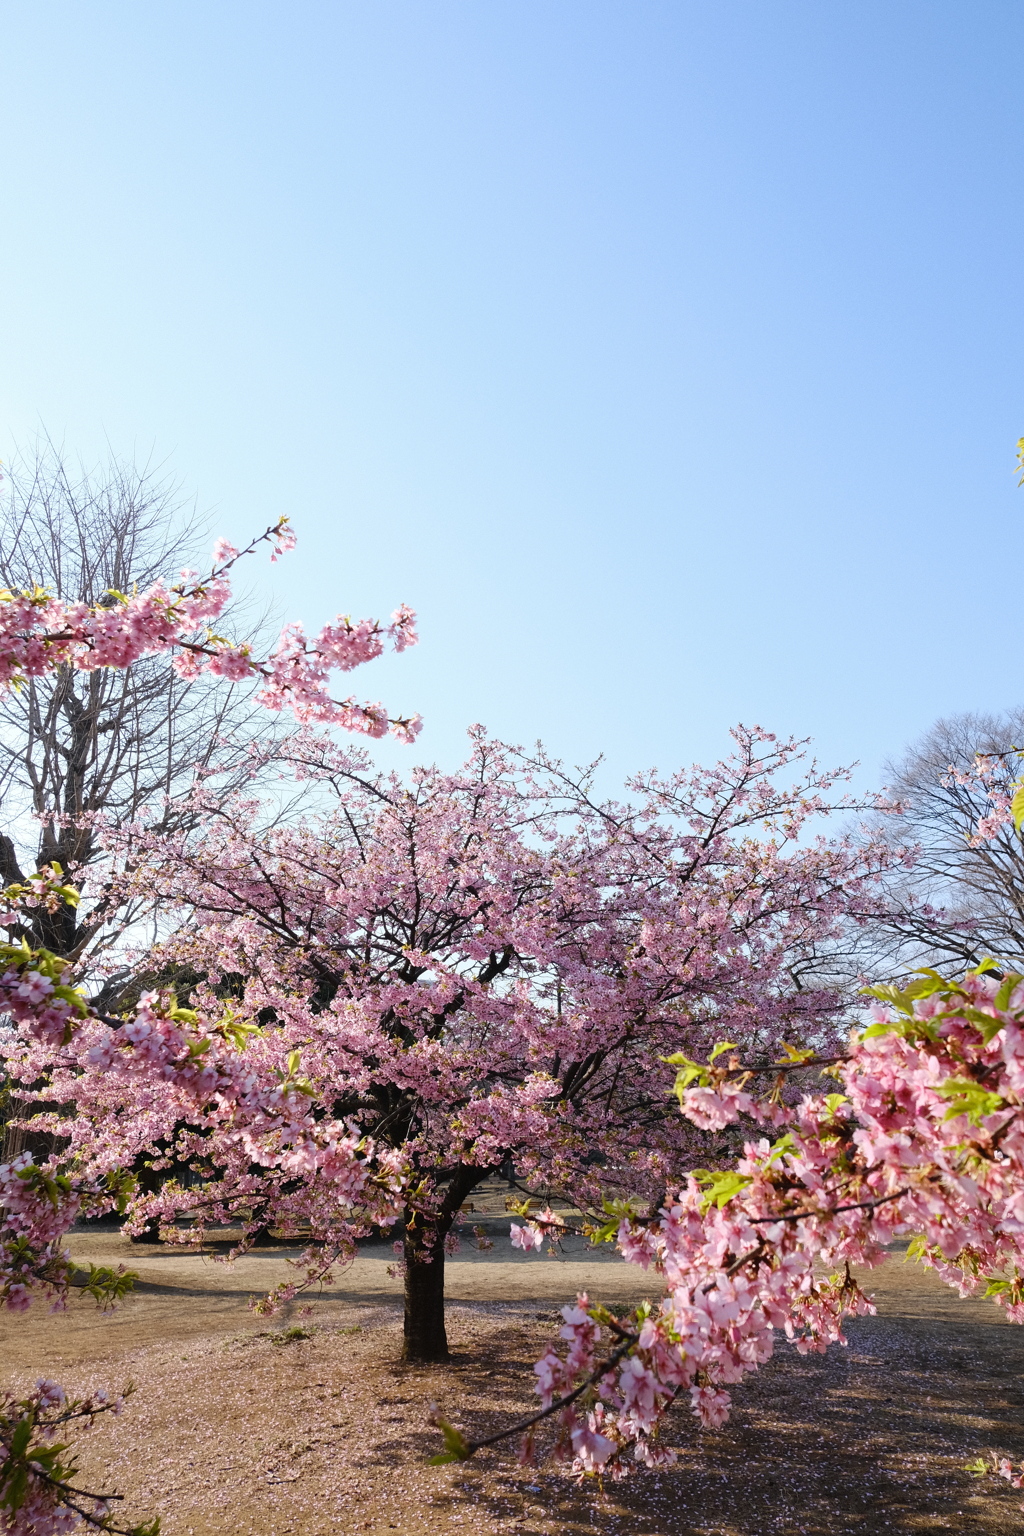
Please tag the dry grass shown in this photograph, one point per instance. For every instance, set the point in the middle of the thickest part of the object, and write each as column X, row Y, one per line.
column 237, row 1433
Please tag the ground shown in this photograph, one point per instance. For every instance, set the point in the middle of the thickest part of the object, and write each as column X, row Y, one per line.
column 236, row 1431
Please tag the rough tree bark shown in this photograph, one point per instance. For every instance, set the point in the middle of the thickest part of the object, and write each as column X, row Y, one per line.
column 425, row 1338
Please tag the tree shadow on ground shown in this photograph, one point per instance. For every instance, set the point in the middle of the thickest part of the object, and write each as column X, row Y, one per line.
column 870, row 1438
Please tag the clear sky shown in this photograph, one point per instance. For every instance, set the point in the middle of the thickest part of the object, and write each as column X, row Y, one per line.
column 665, row 357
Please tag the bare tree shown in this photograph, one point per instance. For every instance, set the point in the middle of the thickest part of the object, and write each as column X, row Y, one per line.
column 959, row 900
column 116, row 745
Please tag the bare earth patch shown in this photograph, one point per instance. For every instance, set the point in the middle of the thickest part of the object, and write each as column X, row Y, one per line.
column 233, row 1431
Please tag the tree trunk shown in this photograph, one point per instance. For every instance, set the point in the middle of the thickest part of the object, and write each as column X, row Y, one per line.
column 423, row 1250
column 425, row 1338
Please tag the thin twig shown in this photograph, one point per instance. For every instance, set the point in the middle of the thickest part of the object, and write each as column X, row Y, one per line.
column 863, row 1205
column 563, row 1402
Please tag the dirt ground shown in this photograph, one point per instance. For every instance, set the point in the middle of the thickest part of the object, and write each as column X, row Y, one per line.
column 233, row 1433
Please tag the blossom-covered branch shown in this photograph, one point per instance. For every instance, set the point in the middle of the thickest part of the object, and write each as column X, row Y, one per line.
column 38, row 1488
column 39, row 632
column 923, row 1139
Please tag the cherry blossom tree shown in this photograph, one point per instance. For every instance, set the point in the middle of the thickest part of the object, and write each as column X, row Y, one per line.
column 460, row 972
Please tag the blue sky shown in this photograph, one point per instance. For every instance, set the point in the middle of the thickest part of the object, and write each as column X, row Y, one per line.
column 665, row 357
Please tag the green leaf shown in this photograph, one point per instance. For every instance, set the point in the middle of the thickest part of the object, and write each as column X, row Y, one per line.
column 237, row 1030
column 73, row 997
column 121, row 1185
column 969, row 1098
column 721, row 1186
column 15, row 1487
column 909, row 1027
column 979, row 1468
column 1002, row 997
column 723, row 1045
column 904, row 998
column 22, row 1435
column 455, row 1443
column 690, row 1072
column 105, row 1285
column 605, row 1233
column 781, row 1147
column 1017, row 804
column 988, row 1026
column 795, row 1053
column 617, row 1211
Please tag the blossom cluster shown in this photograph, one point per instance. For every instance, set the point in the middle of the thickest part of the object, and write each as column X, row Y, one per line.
column 39, row 632
column 133, row 1081
column 923, row 1139
column 38, row 1493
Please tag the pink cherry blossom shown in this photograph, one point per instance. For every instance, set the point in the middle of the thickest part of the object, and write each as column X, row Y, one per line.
column 38, row 632
column 924, row 1138
column 526, row 1237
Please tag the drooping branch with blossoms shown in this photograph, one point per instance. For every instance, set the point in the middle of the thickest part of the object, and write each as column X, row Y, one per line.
column 38, row 1487
column 39, row 633
column 922, row 1139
